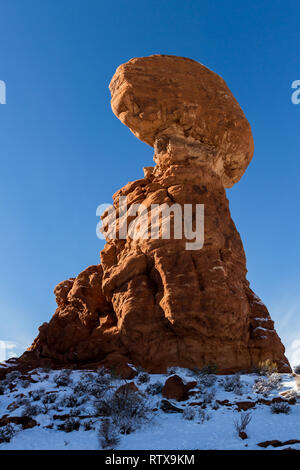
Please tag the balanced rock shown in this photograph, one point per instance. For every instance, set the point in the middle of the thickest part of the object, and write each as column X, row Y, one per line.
column 160, row 96
column 160, row 298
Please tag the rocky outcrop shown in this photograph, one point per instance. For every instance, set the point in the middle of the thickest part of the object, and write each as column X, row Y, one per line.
column 176, row 389
column 157, row 301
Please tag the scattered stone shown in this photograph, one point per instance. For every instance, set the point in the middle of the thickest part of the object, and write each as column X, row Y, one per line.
column 25, row 421
column 129, row 387
column 276, row 443
column 245, row 405
column 168, row 407
column 176, row 389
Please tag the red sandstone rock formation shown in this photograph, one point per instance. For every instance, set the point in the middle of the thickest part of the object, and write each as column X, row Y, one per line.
column 176, row 389
column 153, row 302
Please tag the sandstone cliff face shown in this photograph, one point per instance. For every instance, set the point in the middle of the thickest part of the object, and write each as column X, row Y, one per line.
column 152, row 302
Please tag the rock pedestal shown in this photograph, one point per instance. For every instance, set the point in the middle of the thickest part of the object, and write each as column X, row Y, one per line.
column 158, row 302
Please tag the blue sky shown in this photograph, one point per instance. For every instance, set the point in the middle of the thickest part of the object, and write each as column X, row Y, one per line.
column 63, row 151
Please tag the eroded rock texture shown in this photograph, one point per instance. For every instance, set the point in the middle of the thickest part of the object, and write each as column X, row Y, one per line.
column 153, row 302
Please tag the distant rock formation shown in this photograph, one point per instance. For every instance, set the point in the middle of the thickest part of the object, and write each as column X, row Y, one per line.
column 152, row 302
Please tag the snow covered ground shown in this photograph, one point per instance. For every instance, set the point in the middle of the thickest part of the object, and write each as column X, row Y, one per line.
column 62, row 410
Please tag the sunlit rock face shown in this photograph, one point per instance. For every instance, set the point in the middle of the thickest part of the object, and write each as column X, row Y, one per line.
column 159, row 302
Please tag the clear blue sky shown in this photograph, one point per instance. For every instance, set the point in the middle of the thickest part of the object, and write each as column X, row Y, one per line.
column 63, row 151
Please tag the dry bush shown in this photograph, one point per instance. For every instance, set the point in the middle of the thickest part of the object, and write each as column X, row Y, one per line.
column 37, row 394
column 108, row 435
column 63, row 378
column 143, row 378
column 49, row 398
column 171, row 370
column 264, row 386
column 71, row 401
column 281, row 407
column 189, row 413
column 233, row 384
column 242, row 422
column 154, row 388
column 209, row 396
column 31, row 410
column 71, row 424
column 127, row 409
column 203, row 416
column 266, row 367
column 88, row 425
column 7, row 433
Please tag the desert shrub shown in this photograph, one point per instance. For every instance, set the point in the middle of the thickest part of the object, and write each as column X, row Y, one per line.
column 242, row 422
column 88, row 425
column 92, row 384
column 171, row 370
column 266, row 367
column 7, row 433
column 97, row 390
column 87, row 377
column 143, row 378
column 102, row 380
column 37, row 394
column 264, row 386
column 127, row 409
column 75, row 412
column 206, row 381
column 31, row 410
column 63, row 378
column 281, row 407
column 108, row 435
column 22, row 401
column 208, row 396
column 71, row 424
column 189, row 413
column 25, row 383
column 274, row 379
column 70, row 401
column 203, row 416
column 297, row 369
column 81, row 387
column 233, row 384
column 154, row 388
column 291, row 394
column 49, row 398
column 12, row 376
column 215, row 405
column 205, row 377
column 101, row 371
